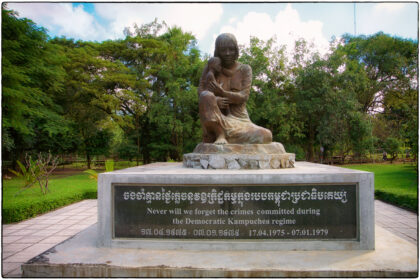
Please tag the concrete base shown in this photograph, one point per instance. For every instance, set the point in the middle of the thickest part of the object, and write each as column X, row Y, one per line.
column 173, row 174
column 79, row 257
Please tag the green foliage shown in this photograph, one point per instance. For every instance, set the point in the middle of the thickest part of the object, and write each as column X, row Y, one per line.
column 360, row 134
column 109, row 165
column 268, row 103
column 297, row 150
column 388, row 84
column 64, row 191
column 32, row 76
column 36, row 171
column 396, row 183
column 125, row 164
column 28, row 174
column 92, row 174
column 390, row 63
column 136, row 98
column 392, row 147
column 156, row 103
column 86, row 80
column 411, row 134
column 98, row 142
column 127, row 148
column 327, row 106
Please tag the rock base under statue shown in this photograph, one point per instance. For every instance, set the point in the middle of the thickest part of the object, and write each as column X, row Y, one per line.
column 239, row 156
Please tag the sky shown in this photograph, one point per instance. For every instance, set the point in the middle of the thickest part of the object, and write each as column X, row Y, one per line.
column 315, row 22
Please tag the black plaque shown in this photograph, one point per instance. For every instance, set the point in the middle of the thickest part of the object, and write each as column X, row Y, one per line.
column 311, row 212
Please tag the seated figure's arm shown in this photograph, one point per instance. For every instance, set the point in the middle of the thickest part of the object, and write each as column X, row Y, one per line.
column 241, row 96
column 205, row 85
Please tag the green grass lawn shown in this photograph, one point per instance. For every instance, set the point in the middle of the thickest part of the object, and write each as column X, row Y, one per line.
column 394, row 183
column 64, row 190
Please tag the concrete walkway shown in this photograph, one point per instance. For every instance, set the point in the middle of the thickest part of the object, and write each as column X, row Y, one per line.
column 396, row 220
column 25, row 240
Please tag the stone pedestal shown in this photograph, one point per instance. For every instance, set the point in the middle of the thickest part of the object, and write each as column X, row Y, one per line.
column 239, row 156
column 167, row 206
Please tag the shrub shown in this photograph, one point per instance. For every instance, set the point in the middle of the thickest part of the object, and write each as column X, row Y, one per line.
column 22, row 211
column 63, row 191
column 36, row 171
column 399, row 200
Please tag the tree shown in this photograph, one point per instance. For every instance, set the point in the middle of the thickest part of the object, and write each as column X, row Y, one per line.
column 32, row 78
column 84, row 83
column 137, row 96
column 390, row 85
column 176, row 85
column 160, row 107
column 392, row 146
column 272, row 87
column 390, row 64
column 326, row 102
column 131, row 97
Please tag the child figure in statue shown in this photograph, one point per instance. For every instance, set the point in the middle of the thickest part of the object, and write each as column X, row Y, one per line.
column 214, row 66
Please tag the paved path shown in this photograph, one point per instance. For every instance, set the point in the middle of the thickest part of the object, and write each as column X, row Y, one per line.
column 25, row 240
column 399, row 221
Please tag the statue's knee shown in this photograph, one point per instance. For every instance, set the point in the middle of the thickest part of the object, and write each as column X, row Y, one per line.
column 267, row 136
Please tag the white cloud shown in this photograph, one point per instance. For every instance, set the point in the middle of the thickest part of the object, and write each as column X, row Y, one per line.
column 61, row 18
column 65, row 19
column 232, row 20
column 389, row 7
column 287, row 27
column 195, row 18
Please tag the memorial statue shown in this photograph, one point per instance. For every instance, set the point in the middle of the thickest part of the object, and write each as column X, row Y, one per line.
column 223, row 93
column 230, row 139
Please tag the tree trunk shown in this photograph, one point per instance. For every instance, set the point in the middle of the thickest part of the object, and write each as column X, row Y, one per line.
column 145, row 138
column 146, row 156
column 138, row 140
column 310, row 151
column 310, row 145
column 88, row 159
column 138, row 150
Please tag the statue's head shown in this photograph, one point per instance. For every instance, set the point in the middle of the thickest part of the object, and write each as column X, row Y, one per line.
column 226, row 40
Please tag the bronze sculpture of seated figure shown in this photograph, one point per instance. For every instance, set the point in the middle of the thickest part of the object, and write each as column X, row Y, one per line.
column 223, row 93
